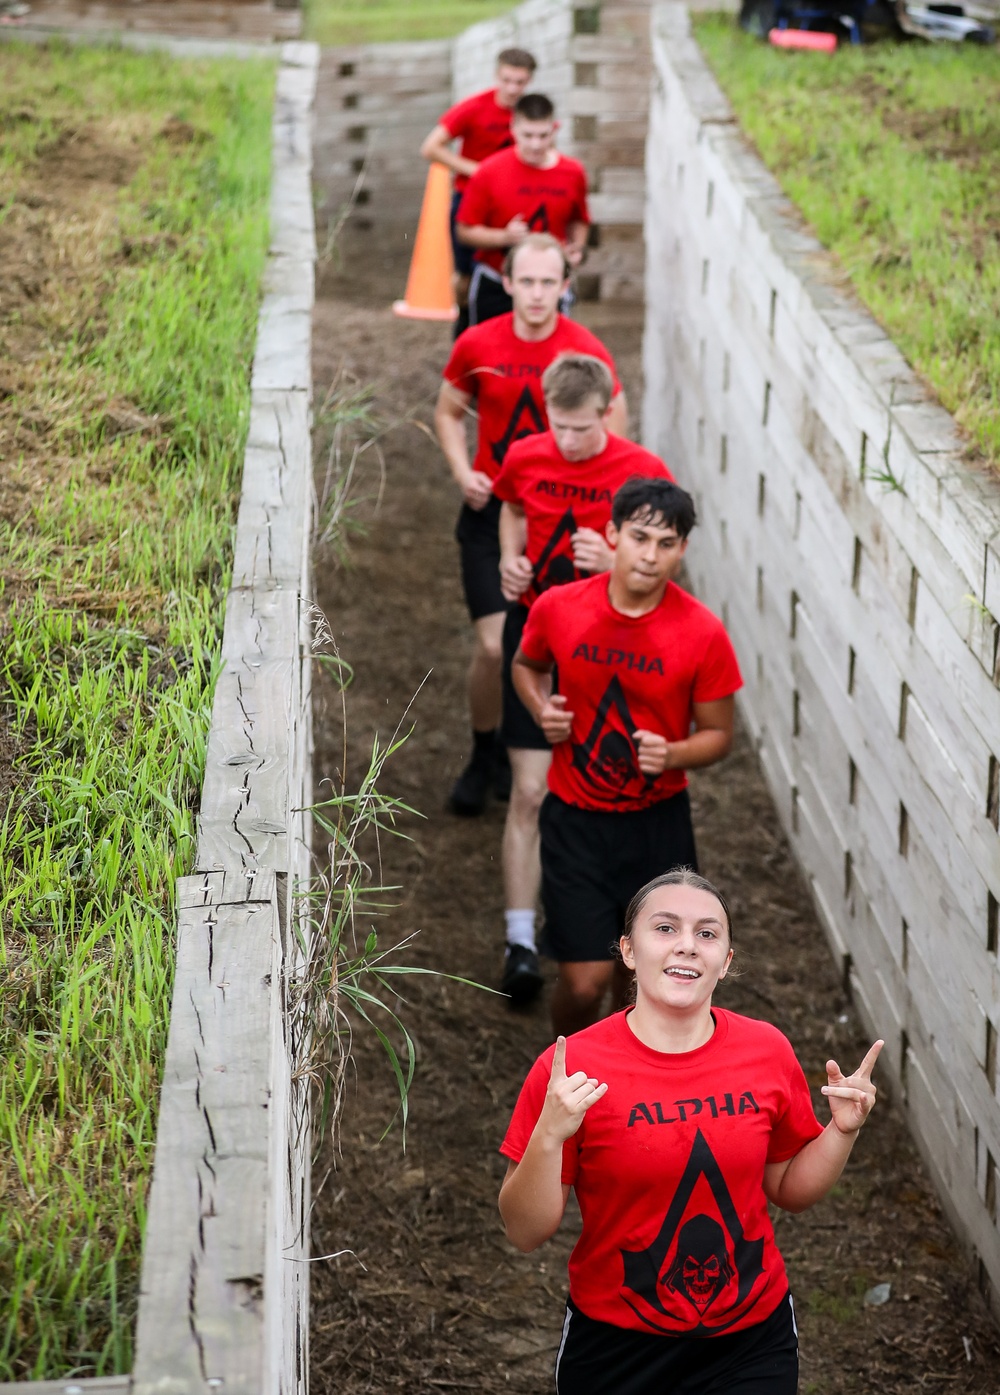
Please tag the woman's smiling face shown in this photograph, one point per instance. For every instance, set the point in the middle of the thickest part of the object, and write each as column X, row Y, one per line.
column 679, row 947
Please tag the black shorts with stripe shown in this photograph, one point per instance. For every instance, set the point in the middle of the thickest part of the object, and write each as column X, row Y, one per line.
column 596, row 1358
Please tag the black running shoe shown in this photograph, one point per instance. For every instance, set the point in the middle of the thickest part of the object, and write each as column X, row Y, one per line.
column 522, row 978
column 471, row 790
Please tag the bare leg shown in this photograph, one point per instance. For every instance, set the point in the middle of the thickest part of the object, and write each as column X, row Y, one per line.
column 522, row 872
column 484, row 673
column 579, row 994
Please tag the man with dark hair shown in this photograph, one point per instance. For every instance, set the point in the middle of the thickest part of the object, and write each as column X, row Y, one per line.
column 647, row 677
column 497, row 368
column 481, row 124
column 556, row 489
column 529, row 187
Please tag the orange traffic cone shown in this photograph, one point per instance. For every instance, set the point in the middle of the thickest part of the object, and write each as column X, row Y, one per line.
column 429, row 295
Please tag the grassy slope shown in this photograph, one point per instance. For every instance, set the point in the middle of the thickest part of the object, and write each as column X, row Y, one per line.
column 112, row 584
column 890, row 151
column 378, row 21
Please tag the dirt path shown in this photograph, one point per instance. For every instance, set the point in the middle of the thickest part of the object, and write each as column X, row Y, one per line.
column 431, row 1296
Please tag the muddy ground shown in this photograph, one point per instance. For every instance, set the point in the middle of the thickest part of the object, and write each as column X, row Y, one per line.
column 428, row 1295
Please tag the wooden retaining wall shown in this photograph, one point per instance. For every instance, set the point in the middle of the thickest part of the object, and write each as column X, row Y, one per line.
column 593, row 61
column 855, row 557
column 224, row 1292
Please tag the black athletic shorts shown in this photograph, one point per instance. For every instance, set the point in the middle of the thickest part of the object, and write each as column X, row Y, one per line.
column 487, row 297
column 518, row 728
column 594, row 862
column 463, row 255
column 478, row 536
column 596, row 1358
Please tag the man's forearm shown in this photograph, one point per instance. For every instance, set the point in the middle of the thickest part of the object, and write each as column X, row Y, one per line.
column 437, row 149
column 533, row 687
column 478, row 235
column 513, row 532
column 699, row 749
column 441, row 155
column 454, row 446
column 576, row 236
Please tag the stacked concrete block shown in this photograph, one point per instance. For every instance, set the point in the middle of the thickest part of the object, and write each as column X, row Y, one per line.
column 377, row 102
column 852, row 551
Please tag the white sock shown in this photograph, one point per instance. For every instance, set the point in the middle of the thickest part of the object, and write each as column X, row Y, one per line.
column 520, row 928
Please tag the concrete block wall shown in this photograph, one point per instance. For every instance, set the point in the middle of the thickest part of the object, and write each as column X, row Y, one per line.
column 375, row 104
column 594, row 63
column 855, row 556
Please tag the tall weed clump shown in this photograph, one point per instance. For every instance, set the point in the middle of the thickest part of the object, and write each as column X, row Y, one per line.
column 112, row 589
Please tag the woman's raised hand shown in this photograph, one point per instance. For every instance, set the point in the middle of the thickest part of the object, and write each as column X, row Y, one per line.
column 568, row 1097
column 852, row 1097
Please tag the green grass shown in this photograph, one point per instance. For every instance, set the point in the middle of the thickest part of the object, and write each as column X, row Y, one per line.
column 379, row 21
column 890, row 151
column 112, row 585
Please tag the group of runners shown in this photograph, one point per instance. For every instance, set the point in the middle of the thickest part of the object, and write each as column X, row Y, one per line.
column 596, row 682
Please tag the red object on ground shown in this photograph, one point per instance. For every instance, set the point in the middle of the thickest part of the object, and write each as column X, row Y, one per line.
column 803, row 38
column 429, row 294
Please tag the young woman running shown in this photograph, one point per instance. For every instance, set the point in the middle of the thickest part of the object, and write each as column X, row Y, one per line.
column 676, row 1122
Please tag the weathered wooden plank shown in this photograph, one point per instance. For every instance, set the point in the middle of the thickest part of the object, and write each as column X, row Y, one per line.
column 243, row 821
column 205, row 1235
column 261, row 625
column 282, row 358
column 72, row 1385
column 272, row 527
column 223, row 1302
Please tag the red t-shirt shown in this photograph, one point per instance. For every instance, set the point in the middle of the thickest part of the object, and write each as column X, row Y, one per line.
column 503, row 186
column 668, row 1169
column 481, row 124
column 504, row 374
column 620, row 674
column 559, row 496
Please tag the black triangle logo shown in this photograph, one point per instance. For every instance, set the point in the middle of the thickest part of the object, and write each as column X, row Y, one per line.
column 607, row 758
column 555, row 567
column 539, row 220
column 525, row 420
column 708, row 1255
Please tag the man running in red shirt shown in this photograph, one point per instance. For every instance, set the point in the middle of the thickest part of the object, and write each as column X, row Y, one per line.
column 556, row 489
column 647, row 677
column 482, row 126
column 530, row 187
column 498, row 367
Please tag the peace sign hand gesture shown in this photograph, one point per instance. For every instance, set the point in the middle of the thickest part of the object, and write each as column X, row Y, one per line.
column 852, row 1097
column 568, row 1097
